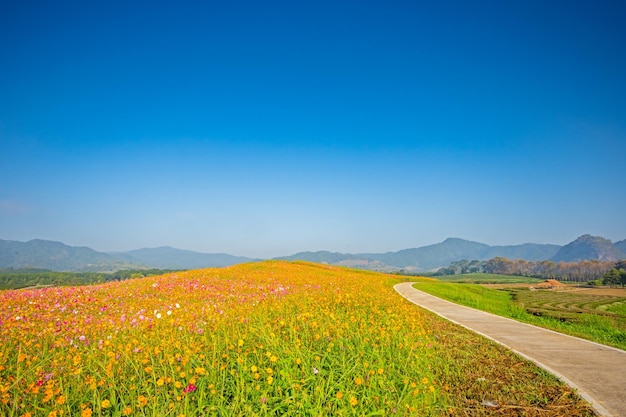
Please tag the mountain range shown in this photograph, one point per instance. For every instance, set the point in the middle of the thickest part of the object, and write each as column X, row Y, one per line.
column 166, row 257
column 56, row 256
column 433, row 257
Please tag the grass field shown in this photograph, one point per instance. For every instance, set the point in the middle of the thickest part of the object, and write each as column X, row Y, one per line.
column 594, row 314
column 480, row 278
column 260, row 339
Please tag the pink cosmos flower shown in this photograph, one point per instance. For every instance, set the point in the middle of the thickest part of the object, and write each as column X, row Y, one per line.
column 190, row 388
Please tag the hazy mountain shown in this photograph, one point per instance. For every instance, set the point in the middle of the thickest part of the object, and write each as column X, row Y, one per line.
column 526, row 251
column 321, row 257
column 431, row 256
column 166, row 257
column 455, row 249
column 589, row 247
column 56, row 256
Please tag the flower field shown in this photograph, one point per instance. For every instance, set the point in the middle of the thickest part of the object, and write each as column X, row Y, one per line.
column 268, row 338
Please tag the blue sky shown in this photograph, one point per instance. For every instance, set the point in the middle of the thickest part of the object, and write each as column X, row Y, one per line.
column 267, row 128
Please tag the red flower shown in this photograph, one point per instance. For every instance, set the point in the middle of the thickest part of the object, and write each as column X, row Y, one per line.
column 190, row 388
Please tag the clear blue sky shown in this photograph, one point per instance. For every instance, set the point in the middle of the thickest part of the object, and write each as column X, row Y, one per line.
column 267, row 128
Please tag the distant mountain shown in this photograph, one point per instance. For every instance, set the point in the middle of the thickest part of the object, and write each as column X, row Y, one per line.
column 526, row 251
column 56, row 256
column 341, row 259
column 321, row 257
column 431, row 256
column 455, row 249
column 166, row 257
column 589, row 247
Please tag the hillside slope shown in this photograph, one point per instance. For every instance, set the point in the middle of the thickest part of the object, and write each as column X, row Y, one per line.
column 56, row 256
column 589, row 247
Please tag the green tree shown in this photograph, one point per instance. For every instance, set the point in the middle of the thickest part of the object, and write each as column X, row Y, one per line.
column 611, row 278
column 622, row 277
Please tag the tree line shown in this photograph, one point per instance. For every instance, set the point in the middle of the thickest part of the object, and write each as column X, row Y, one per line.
column 582, row 271
column 24, row 278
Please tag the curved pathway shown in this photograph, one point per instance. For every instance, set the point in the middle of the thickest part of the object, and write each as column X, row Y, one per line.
column 597, row 371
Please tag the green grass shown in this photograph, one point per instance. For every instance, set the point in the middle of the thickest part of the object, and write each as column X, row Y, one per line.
column 570, row 313
column 480, row 278
column 618, row 308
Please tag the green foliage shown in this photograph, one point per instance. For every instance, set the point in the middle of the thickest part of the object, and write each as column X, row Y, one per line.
column 615, row 277
column 611, row 278
column 26, row 278
column 582, row 271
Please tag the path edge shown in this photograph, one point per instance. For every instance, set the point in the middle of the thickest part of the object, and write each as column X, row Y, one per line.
column 598, row 408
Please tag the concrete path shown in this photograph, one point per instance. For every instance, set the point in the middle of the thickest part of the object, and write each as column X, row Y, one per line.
column 596, row 371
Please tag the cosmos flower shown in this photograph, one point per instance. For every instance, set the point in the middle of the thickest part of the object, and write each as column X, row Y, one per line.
column 190, row 388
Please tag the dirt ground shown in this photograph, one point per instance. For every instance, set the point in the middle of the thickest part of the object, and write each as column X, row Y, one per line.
column 618, row 292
